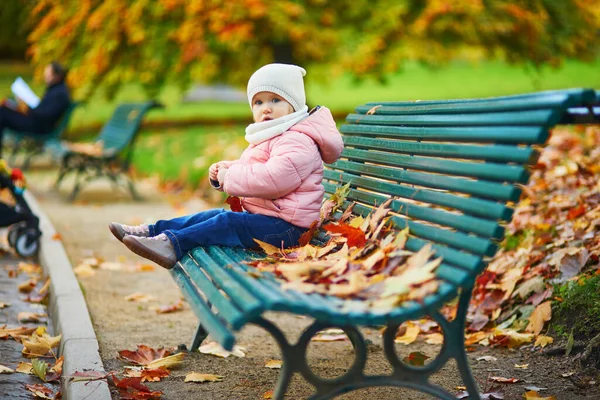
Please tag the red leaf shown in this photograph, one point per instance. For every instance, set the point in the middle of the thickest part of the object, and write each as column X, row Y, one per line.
column 154, row 375
column 576, row 212
column 143, row 355
column 234, row 203
column 416, row 358
column 356, row 237
column 306, row 237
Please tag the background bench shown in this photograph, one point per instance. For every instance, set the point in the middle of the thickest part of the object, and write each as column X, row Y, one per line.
column 453, row 168
column 32, row 144
column 109, row 155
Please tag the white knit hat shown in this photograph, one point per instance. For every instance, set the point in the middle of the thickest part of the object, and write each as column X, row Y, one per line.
column 282, row 79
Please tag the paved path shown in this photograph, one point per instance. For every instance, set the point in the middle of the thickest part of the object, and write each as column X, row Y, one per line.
column 12, row 385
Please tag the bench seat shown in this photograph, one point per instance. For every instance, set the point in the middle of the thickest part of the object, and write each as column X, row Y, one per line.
column 453, row 170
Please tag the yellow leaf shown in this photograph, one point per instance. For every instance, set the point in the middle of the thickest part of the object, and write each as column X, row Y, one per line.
column 268, row 248
column 522, row 366
column 543, row 341
column 412, row 331
column 533, row 395
column 274, row 364
column 268, row 394
column 25, row 368
column 215, row 349
column 198, row 377
column 434, row 338
column 540, row 315
column 356, row 222
column 6, row 370
column 167, row 362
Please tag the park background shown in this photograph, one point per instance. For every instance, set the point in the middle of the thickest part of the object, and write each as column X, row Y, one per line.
column 355, row 52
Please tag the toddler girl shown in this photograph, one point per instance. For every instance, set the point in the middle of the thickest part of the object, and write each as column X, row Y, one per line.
column 278, row 177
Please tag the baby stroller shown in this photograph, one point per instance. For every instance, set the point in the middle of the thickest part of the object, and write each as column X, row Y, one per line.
column 23, row 232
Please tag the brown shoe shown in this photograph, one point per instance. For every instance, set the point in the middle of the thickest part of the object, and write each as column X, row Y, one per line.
column 120, row 230
column 157, row 248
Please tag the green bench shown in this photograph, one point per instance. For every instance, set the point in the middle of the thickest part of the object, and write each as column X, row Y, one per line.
column 33, row 144
column 109, row 155
column 453, row 168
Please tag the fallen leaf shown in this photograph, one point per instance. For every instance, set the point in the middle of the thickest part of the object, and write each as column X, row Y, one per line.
column 86, row 376
column 84, row 271
column 26, row 316
column 268, row 394
column 355, row 236
column 521, row 366
column 543, row 341
column 416, row 358
column 267, row 248
column 198, row 377
column 15, row 333
column 155, row 374
column 6, row 370
column 57, row 236
column 434, row 338
column 410, row 335
column 538, row 318
column 143, row 355
column 215, row 349
column 532, row 395
column 307, row 236
column 487, row 358
column 501, row 379
column 41, row 391
column 4, row 305
column 169, row 308
column 234, row 203
column 166, row 362
column 274, row 364
column 40, row 368
column 140, row 297
column 27, row 286
column 24, row 368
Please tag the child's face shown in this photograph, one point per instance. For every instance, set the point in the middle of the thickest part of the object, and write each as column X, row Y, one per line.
column 267, row 106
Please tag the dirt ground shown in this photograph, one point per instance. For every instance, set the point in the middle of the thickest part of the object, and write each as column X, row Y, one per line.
column 122, row 325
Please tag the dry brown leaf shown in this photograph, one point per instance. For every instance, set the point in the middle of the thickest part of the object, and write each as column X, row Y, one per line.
column 410, row 335
column 4, row 305
column 5, row 370
column 24, row 368
column 543, row 341
column 538, row 318
column 533, row 395
column 274, row 364
column 140, row 297
column 26, row 316
column 27, row 286
column 198, row 377
column 215, row 349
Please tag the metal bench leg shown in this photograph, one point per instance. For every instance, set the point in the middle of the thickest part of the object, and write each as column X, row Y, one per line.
column 201, row 334
column 461, row 353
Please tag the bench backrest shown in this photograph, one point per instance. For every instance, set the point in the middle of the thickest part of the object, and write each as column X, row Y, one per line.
column 63, row 122
column 452, row 166
column 119, row 132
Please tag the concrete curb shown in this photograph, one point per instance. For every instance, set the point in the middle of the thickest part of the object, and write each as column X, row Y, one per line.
column 70, row 315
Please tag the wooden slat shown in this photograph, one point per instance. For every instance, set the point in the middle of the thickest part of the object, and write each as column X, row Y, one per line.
column 561, row 100
column 577, row 96
column 545, row 118
column 457, row 240
column 479, row 134
column 495, row 153
column 482, row 189
column 483, row 208
column 490, row 171
column 227, row 310
column 211, row 323
column 464, row 223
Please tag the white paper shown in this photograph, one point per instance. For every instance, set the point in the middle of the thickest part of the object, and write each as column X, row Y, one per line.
column 21, row 89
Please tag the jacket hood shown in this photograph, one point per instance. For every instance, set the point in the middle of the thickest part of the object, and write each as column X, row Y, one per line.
column 320, row 127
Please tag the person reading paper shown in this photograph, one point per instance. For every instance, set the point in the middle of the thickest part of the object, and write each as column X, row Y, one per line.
column 42, row 118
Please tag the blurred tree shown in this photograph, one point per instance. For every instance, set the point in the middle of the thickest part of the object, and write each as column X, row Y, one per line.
column 14, row 29
column 111, row 42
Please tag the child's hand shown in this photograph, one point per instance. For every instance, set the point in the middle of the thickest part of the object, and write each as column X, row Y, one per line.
column 221, row 175
column 213, row 171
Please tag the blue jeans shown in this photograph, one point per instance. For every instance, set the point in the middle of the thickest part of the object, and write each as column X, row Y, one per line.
column 227, row 228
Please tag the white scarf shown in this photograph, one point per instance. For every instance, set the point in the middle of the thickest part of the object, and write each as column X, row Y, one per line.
column 260, row 131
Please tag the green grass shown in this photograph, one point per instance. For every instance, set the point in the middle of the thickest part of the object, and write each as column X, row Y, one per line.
column 185, row 154
column 342, row 94
column 579, row 309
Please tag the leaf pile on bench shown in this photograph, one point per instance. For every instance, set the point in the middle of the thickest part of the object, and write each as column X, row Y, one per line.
column 363, row 258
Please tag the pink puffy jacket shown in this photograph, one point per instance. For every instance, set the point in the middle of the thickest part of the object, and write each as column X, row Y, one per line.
column 282, row 176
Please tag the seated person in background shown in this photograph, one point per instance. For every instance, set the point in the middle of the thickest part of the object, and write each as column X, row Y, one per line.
column 43, row 118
